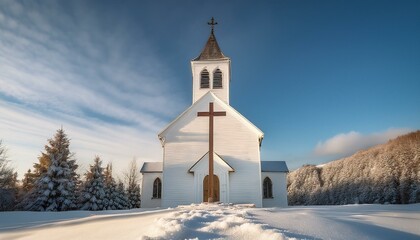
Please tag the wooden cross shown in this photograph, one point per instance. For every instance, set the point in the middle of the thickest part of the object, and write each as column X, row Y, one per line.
column 211, row 113
column 212, row 23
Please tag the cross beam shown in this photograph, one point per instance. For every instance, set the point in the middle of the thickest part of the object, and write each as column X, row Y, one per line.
column 212, row 23
column 211, row 113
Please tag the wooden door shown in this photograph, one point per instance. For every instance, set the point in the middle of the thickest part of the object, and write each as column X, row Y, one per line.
column 216, row 196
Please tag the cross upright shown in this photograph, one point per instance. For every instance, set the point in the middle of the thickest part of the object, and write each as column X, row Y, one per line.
column 211, row 113
column 212, row 23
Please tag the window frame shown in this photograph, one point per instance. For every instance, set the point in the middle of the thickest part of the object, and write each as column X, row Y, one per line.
column 216, row 73
column 201, row 79
column 157, row 189
column 267, row 188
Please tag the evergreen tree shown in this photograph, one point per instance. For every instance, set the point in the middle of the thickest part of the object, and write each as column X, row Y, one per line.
column 44, row 162
column 39, row 169
column 8, row 182
column 28, row 181
column 133, row 189
column 93, row 195
column 388, row 173
column 133, row 192
column 111, row 193
column 122, row 198
column 54, row 189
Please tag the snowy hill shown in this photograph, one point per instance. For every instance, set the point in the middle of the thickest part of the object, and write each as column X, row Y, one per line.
column 219, row 222
column 388, row 173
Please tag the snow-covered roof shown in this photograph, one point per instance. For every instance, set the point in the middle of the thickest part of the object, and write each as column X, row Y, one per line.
column 152, row 167
column 274, row 166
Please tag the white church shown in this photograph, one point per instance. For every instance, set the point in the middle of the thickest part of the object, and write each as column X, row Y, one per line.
column 211, row 153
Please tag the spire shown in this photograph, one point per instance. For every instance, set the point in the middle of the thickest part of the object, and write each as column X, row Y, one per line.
column 211, row 50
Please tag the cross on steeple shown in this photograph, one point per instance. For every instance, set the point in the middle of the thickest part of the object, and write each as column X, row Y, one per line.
column 212, row 23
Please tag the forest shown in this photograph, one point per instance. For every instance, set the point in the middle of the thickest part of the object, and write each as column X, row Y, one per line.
column 54, row 184
column 385, row 174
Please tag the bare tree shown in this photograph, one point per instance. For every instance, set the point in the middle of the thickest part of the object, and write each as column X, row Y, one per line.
column 8, row 181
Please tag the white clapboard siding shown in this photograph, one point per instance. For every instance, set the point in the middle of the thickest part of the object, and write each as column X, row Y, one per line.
column 198, row 66
column 146, row 197
column 279, row 182
column 236, row 140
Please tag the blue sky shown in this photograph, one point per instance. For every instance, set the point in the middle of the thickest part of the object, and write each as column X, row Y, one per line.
column 322, row 79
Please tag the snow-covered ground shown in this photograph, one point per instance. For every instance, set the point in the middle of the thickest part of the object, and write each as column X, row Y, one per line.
column 219, row 222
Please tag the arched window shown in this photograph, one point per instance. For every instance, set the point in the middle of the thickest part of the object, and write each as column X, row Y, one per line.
column 157, row 188
column 217, row 79
column 268, row 188
column 205, row 79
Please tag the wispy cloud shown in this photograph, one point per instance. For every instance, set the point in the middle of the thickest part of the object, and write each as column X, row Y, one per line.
column 345, row 144
column 61, row 65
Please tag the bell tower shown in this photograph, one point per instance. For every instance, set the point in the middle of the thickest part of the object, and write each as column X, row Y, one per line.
column 211, row 70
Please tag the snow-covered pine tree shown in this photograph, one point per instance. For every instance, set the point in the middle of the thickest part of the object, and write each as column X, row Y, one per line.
column 122, row 198
column 8, row 182
column 111, row 193
column 41, row 167
column 134, row 196
column 133, row 188
column 93, row 194
column 54, row 190
column 25, row 189
column 387, row 173
column 28, row 196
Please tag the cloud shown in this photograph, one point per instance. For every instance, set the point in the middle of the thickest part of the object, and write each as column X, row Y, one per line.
column 69, row 64
column 25, row 133
column 345, row 144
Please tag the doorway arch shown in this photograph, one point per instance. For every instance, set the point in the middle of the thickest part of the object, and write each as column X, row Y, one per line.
column 216, row 197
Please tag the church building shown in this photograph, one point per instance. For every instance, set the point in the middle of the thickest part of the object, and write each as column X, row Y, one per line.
column 211, row 153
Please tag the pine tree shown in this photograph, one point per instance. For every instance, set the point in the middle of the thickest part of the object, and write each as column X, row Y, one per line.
column 28, row 181
column 111, row 194
column 39, row 169
column 133, row 189
column 8, row 182
column 54, row 190
column 93, row 194
column 44, row 162
column 387, row 173
column 122, row 198
column 134, row 196
column 25, row 189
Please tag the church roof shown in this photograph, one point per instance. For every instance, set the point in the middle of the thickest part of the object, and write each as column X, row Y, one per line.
column 211, row 50
column 211, row 97
column 216, row 158
column 152, row 167
column 274, row 166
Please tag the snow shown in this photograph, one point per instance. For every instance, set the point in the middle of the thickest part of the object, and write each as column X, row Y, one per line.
column 207, row 221
column 211, row 222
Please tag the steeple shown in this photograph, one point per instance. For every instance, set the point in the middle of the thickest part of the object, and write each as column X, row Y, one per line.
column 211, row 70
column 211, row 50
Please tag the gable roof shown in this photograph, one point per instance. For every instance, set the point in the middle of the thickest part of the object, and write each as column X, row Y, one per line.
column 216, row 157
column 274, row 166
column 152, row 167
column 211, row 50
column 210, row 97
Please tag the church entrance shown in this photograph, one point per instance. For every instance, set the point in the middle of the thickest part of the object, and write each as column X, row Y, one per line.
column 216, row 197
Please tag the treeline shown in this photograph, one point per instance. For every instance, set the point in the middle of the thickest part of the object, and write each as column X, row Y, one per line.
column 54, row 185
column 388, row 173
